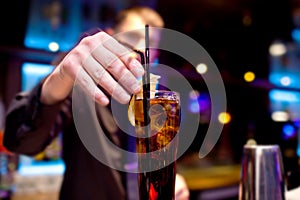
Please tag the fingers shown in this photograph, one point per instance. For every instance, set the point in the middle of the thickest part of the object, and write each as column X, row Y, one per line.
column 114, row 69
column 90, row 87
column 125, row 56
column 120, row 71
column 110, row 52
column 106, row 63
column 181, row 189
column 101, row 77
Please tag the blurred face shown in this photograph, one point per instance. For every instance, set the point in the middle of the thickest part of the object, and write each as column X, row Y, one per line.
column 132, row 32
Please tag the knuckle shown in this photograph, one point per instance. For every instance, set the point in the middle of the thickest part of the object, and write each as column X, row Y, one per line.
column 68, row 65
column 110, row 60
column 98, row 74
column 104, row 36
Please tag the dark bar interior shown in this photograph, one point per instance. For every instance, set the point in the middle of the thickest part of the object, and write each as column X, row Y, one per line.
column 255, row 45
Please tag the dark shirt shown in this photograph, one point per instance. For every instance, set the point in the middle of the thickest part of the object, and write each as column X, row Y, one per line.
column 31, row 126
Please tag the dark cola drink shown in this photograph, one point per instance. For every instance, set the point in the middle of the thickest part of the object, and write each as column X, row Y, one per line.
column 156, row 144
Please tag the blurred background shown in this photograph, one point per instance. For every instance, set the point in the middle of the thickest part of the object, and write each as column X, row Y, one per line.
column 254, row 43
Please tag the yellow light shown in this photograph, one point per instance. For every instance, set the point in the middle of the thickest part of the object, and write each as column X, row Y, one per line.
column 201, row 68
column 249, row 76
column 280, row 116
column 277, row 49
column 53, row 46
column 224, row 117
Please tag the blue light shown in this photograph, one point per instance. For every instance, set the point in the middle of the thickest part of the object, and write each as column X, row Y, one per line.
column 38, row 69
column 194, row 107
column 297, row 123
column 288, row 131
column 42, row 29
column 298, row 151
column 42, row 168
column 204, row 102
column 284, row 96
column 32, row 73
column 276, row 79
column 296, row 34
column 199, row 103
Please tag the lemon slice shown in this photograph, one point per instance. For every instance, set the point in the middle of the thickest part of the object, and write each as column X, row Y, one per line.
column 130, row 112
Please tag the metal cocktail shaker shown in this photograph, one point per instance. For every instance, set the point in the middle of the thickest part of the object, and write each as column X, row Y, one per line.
column 262, row 173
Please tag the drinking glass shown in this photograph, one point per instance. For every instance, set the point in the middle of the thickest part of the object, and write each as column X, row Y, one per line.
column 156, row 144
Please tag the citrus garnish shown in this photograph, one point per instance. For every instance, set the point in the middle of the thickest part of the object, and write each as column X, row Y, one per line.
column 130, row 111
column 153, row 83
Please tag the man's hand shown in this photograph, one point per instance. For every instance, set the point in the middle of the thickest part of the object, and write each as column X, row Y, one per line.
column 181, row 190
column 97, row 60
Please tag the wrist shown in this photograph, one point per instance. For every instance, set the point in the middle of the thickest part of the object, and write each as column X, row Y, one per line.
column 55, row 88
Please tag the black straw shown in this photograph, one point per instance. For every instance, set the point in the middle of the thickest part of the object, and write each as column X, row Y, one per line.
column 146, row 105
column 146, row 90
column 147, row 55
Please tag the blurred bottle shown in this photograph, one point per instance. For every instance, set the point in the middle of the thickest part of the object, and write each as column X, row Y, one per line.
column 6, row 169
column 2, row 114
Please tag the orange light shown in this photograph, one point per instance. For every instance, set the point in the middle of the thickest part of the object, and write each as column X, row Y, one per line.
column 249, row 76
column 224, row 117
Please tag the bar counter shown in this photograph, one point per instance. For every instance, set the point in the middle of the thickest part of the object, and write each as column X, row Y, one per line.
column 210, row 178
column 37, row 196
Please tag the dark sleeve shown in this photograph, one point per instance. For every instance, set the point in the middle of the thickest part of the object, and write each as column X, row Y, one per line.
column 29, row 125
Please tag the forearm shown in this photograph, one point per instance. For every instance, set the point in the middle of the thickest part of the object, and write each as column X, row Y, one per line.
column 29, row 124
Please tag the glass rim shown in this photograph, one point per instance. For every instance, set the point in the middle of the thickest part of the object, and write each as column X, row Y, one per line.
column 153, row 93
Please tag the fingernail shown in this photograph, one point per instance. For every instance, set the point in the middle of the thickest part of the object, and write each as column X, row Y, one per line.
column 124, row 98
column 138, row 72
column 102, row 100
column 136, row 88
